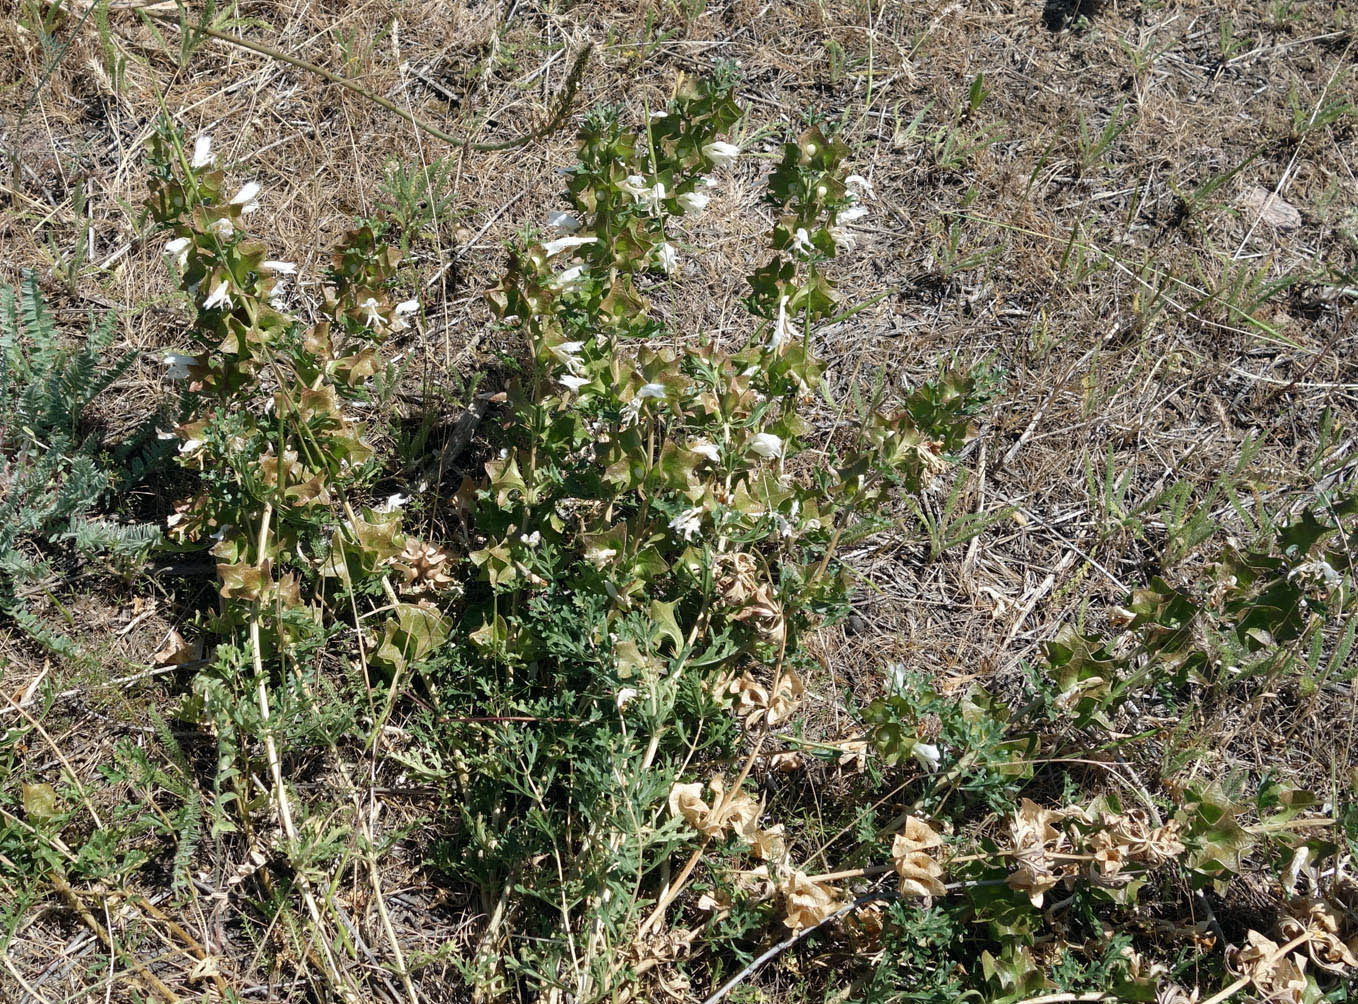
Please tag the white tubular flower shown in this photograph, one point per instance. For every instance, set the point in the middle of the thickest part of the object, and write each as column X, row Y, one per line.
column 625, row 695
column 693, row 203
column 635, row 186
column 223, row 228
column 178, row 251
column 667, row 258
column 372, row 318
column 402, row 311
column 766, row 445
column 219, row 297
column 782, row 330
column 859, row 186
column 202, row 152
column 569, row 275
column 569, row 354
column 531, row 539
column 688, row 523
column 393, row 503
column 895, row 677
column 190, row 446
column 248, row 197
column 566, row 243
column 177, row 366
column 572, row 383
column 801, row 242
column 1321, row 570
column 707, row 450
column 655, row 391
column 844, row 238
column 657, row 115
column 564, row 222
column 279, row 267
column 927, row 756
column 721, row 153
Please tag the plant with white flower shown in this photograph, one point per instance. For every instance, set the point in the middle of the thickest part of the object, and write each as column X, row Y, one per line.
column 674, row 488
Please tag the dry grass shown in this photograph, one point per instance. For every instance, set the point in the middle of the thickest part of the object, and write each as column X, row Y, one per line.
column 1107, row 286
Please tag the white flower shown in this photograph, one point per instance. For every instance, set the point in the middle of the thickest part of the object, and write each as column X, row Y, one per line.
column 845, row 239
column 706, row 449
column 531, row 539
column 766, row 445
column 223, row 228
column 177, row 366
column 895, row 677
column 393, row 503
column 401, row 311
column 248, row 197
column 564, row 243
column 652, row 390
column 178, row 251
column 659, row 115
column 219, row 297
column 721, row 153
column 667, row 258
column 782, row 330
column 860, row 186
column 568, row 353
column 801, row 242
column 279, row 267
column 635, row 186
column 927, row 755
column 372, row 318
column 572, row 383
column 693, row 203
column 687, row 523
column 626, row 694
column 568, row 275
column 563, row 221
column 202, row 152
column 190, row 446
column 1322, row 570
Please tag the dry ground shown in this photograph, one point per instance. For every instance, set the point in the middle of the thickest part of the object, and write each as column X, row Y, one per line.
column 1118, row 275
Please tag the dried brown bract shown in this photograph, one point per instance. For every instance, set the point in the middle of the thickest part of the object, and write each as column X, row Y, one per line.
column 1321, row 923
column 1279, row 977
column 425, row 568
column 745, row 596
column 807, row 902
column 921, row 874
column 1034, row 839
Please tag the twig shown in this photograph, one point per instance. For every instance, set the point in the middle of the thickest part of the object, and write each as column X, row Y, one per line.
column 788, row 942
column 276, row 771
